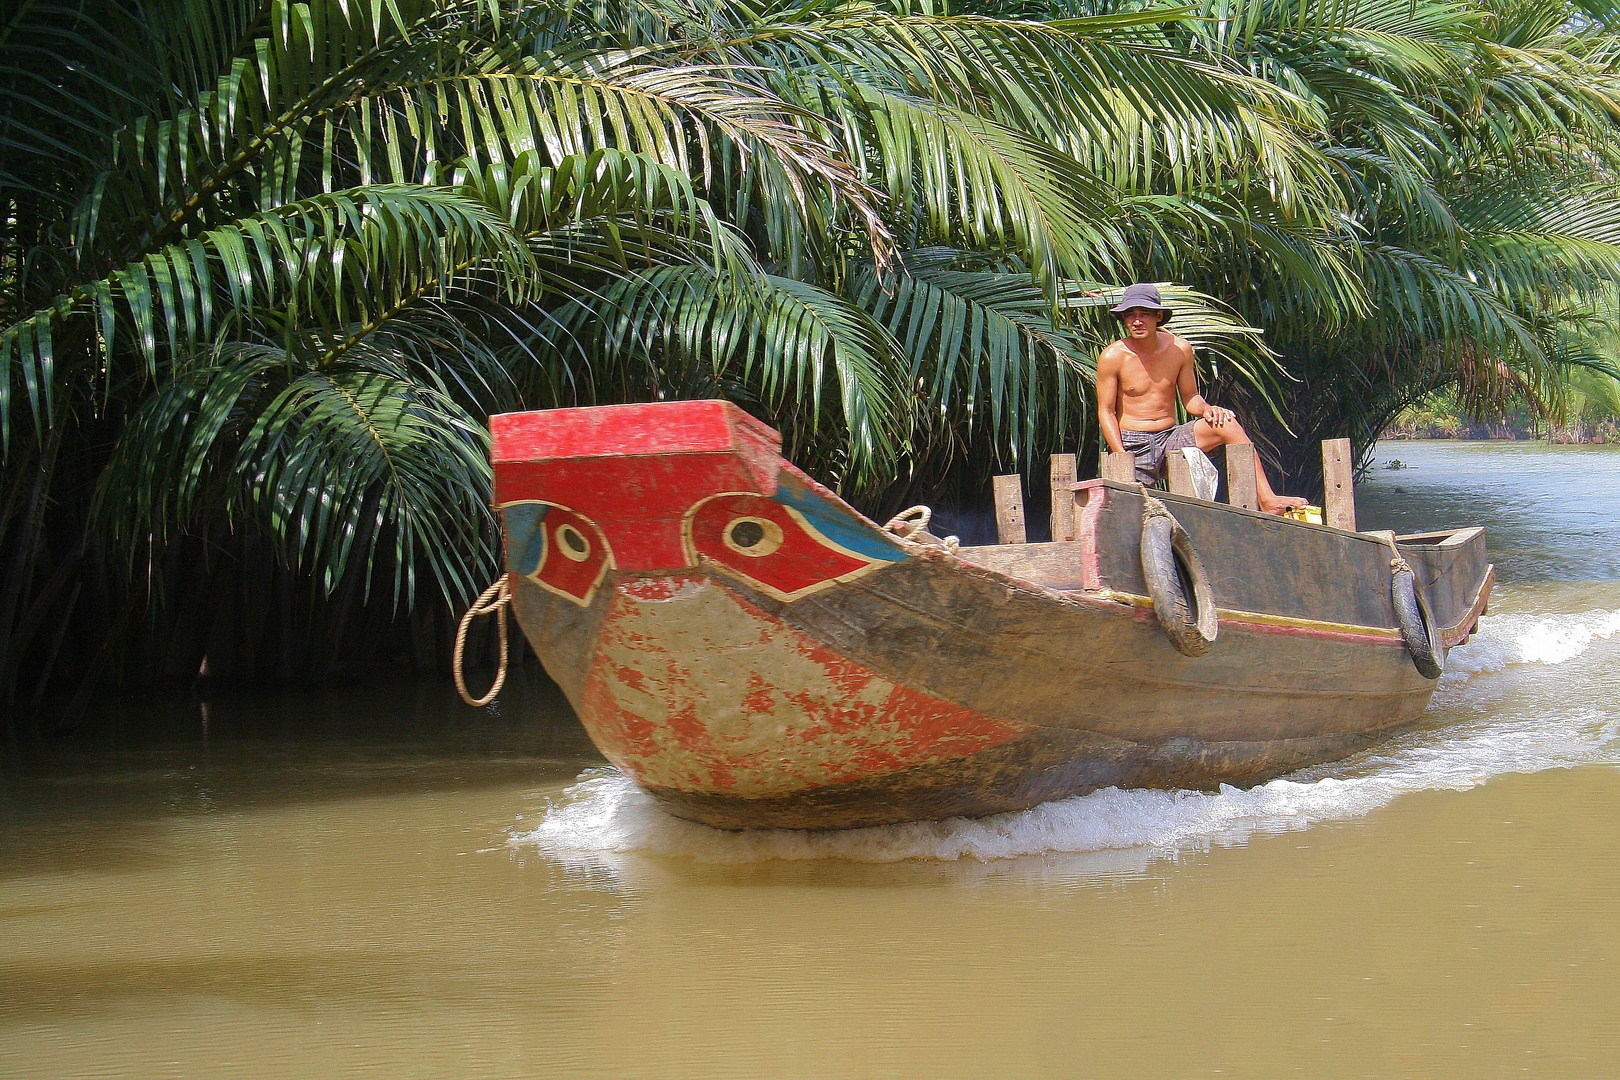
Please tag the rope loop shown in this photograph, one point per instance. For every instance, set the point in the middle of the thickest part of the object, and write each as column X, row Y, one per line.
column 492, row 601
column 1397, row 562
column 912, row 525
column 908, row 523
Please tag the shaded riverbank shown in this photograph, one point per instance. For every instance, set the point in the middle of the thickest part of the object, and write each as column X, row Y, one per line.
column 1603, row 433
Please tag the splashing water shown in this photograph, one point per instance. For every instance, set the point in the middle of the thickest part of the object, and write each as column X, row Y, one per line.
column 606, row 813
column 1529, row 639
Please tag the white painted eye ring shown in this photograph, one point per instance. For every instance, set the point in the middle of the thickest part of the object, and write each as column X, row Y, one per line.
column 754, row 537
column 573, row 543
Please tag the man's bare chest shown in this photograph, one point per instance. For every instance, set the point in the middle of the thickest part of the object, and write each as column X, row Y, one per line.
column 1149, row 375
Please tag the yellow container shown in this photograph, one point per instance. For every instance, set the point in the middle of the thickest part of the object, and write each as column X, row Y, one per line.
column 1311, row 514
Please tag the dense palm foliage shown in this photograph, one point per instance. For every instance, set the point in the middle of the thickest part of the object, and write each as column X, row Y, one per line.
column 1474, row 148
column 268, row 264
column 265, row 265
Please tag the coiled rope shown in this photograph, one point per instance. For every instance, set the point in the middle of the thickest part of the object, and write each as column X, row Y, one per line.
column 492, row 601
column 912, row 525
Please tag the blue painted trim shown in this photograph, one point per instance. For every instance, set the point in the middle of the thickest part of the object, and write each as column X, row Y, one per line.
column 835, row 524
column 526, row 540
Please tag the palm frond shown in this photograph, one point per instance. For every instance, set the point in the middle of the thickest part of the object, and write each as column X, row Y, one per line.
column 348, row 466
column 989, row 186
column 787, row 344
column 339, row 257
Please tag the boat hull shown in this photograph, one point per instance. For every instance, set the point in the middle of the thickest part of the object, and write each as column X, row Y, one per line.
column 850, row 678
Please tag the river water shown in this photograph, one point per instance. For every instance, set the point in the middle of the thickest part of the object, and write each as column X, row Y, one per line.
column 381, row 882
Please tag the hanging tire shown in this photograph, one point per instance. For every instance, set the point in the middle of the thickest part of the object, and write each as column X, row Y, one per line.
column 1176, row 581
column 1412, row 615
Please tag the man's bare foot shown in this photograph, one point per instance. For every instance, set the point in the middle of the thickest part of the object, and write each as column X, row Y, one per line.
column 1278, row 503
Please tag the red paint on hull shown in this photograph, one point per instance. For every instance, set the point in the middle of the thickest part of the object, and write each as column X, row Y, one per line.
column 635, row 469
column 784, row 556
column 1090, row 511
column 675, row 697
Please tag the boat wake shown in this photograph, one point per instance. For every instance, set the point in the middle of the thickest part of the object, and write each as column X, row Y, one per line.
column 1504, row 640
column 1488, row 719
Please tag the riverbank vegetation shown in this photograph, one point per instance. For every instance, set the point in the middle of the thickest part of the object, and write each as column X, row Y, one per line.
column 1588, row 413
column 1442, row 416
column 266, row 265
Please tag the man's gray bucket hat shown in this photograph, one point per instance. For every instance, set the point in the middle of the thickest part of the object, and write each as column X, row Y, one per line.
column 1141, row 296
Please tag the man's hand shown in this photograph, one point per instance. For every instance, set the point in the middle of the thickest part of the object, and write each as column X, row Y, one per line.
column 1215, row 416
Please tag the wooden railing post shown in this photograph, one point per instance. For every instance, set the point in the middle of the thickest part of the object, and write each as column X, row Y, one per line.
column 1062, row 496
column 1179, row 473
column 1241, row 487
column 1338, row 487
column 1009, row 492
column 1119, row 465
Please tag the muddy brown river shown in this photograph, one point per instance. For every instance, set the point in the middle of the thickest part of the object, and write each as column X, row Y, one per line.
column 381, row 882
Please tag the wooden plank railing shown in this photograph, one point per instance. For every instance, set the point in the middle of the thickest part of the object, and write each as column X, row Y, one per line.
column 1119, row 465
column 1009, row 491
column 1338, row 473
column 1241, row 487
column 1063, row 479
column 1338, row 483
column 1338, row 487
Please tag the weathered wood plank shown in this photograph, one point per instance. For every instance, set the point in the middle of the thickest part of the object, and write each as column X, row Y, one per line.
column 1338, row 487
column 1119, row 465
column 1009, row 493
column 1241, row 488
column 1180, row 473
column 1062, row 496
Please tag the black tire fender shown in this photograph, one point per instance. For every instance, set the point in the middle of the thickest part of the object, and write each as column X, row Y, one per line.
column 1176, row 581
column 1412, row 615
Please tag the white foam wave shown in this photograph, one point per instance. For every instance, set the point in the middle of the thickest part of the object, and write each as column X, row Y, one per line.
column 606, row 813
column 1503, row 640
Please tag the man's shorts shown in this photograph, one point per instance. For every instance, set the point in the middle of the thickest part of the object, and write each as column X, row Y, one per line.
column 1150, row 447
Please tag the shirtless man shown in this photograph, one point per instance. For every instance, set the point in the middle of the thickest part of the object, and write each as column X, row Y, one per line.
column 1138, row 380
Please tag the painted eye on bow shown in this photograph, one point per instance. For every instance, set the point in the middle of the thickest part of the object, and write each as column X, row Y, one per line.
column 772, row 546
column 556, row 548
column 572, row 543
column 754, row 537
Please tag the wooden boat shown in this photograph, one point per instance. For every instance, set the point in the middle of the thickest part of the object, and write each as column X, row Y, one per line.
column 755, row 653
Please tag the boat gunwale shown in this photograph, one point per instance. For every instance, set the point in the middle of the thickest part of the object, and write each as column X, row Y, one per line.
column 1453, row 537
column 1241, row 620
column 1253, row 621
